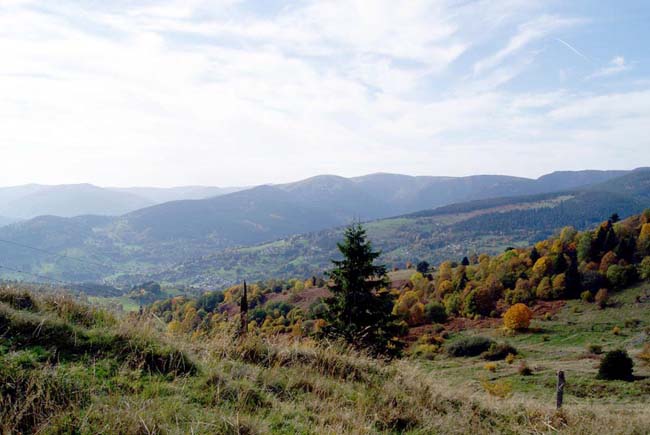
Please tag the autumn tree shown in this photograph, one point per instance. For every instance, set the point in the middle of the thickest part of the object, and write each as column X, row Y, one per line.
column 643, row 243
column 644, row 268
column 517, row 317
column 360, row 310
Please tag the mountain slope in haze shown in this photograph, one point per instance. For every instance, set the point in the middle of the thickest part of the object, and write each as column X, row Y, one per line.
column 6, row 221
column 163, row 237
column 341, row 197
column 270, row 212
column 67, row 201
column 434, row 235
column 407, row 194
column 32, row 200
column 561, row 180
column 260, row 213
column 159, row 195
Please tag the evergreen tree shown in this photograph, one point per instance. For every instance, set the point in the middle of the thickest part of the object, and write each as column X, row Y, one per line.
column 360, row 310
column 534, row 255
column 573, row 284
column 423, row 267
column 465, row 261
column 559, row 263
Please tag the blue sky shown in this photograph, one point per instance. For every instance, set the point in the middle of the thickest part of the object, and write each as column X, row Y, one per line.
column 229, row 92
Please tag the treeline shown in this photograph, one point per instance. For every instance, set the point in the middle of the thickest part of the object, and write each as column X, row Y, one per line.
column 589, row 265
column 581, row 211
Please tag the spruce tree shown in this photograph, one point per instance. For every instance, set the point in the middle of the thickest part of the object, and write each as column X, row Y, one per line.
column 360, row 310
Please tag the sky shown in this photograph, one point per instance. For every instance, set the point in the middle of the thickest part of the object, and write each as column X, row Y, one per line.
column 228, row 92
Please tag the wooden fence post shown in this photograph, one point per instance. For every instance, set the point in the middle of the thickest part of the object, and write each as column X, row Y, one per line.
column 560, row 388
column 243, row 312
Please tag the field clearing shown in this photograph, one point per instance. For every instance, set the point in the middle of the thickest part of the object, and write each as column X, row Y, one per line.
column 561, row 343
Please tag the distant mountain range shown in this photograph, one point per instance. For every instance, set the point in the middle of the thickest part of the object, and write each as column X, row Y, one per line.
column 6, row 221
column 69, row 200
column 444, row 233
column 183, row 235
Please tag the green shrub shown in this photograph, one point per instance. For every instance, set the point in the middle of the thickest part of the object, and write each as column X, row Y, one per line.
column 498, row 351
column 587, row 296
column 621, row 276
column 644, row 268
column 452, row 303
column 435, row 312
column 616, row 364
column 469, row 346
column 425, row 351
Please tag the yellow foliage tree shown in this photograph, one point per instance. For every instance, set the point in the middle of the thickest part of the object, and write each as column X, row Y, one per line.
column 410, row 308
column 174, row 327
column 643, row 244
column 445, row 287
column 543, row 266
column 517, row 317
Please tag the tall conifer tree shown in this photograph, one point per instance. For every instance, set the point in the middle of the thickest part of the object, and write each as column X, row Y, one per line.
column 360, row 310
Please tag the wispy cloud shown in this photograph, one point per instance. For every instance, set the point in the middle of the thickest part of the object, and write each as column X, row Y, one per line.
column 526, row 34
column 616, row 65
column 219, row 92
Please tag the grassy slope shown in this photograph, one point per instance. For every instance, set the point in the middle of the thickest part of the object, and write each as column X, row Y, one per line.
column 65, row 368
column 561, row 344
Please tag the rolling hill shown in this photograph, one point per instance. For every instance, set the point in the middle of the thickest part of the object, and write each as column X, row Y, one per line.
column 71, row 200
column 32, row 200
column 433, row 235
column 224, row 238
column 158, row 195
column 6, row 221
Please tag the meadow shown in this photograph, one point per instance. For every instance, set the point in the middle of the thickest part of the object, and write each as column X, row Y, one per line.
column 68, row 367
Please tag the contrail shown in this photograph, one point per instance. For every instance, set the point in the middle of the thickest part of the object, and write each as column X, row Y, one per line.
column 575, row 50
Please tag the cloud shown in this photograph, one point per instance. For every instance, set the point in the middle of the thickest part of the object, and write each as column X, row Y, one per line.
column 203, row 92
column 616, row 65
column 526, row 34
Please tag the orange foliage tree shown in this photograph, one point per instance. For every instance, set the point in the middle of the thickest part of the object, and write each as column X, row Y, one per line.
column 517, row 317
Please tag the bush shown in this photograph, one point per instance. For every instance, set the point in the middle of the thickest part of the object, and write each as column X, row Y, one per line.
column 435, row 312
column 18, row 300
column 425, row 351
column 595, row 349
column 602, row 297
column 469, row 346
column 644, row 268
column 517, row 317
column 621, row 276
column 490, row 367
column 500, row 389
column 616, row 364
column 452, row 304
column 498, row 352
column 644, row 356
column 586, row 296
column 524, row 370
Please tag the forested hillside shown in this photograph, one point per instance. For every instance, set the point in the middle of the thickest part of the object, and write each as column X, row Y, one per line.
column 487, row 226
column 290, row 230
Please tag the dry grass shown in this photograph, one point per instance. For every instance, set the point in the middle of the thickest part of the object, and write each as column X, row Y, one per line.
column 251, row 385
